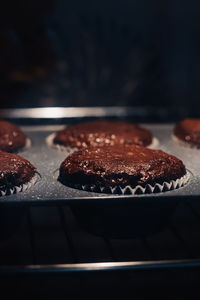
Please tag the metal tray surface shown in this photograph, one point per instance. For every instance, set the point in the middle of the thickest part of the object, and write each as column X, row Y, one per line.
column 48, row 190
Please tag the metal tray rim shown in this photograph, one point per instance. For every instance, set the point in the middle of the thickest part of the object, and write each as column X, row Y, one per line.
column 102, row 266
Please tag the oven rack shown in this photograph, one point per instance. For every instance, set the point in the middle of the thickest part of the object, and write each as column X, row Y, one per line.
column 50, row 240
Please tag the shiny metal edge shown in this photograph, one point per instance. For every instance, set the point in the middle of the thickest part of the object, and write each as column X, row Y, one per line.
column 75, row 112
column 102, row 266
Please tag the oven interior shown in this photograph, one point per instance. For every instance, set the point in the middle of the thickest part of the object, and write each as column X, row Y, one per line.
column 142, row 55
column 49, row 244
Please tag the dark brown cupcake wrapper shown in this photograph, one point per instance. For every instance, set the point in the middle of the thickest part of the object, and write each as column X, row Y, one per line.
column 69, row 150
column 184, row 143
column 20, row 188
column 128, row 190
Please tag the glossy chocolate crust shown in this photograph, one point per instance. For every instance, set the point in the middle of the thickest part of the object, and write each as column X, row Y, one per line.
column 188, row 130
column 11, row 137
column 14, row 170
column 120, row 166
column 100, row 133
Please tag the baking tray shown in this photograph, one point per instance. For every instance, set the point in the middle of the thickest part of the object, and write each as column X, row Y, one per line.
column 104, row 214
column 47, row 161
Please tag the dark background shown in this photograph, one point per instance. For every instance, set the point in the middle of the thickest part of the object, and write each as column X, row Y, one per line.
column 93, row 53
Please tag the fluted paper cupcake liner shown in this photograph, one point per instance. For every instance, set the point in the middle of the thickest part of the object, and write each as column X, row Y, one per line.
column 27, row 144
column 50, row 143
column 154, row 144
column 25, row 147
column 184, row 144
column 20, row 188
column 128, row 190
column 69, row 150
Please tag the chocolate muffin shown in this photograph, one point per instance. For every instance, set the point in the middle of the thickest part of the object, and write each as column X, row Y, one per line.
column 122, row 166
column 101, row 133
column 188, row 131
column 14, row 171
column 12, row 137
